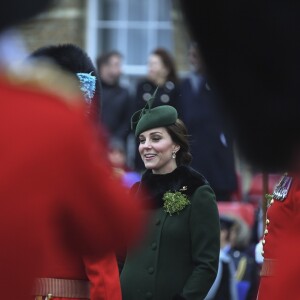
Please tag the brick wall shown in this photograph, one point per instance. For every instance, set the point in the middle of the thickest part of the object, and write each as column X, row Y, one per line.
column 64, row 22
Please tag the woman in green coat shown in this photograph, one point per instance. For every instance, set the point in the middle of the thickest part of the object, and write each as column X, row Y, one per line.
column 178, row 256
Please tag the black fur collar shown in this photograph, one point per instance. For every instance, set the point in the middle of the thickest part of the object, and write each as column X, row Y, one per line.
column 156, row 185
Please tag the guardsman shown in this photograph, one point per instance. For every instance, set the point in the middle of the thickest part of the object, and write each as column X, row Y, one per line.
column 264, row 106
column 100, row 274
column 278, row 240
column 55, row 184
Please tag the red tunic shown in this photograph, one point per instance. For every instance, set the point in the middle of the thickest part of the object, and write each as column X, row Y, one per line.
column 104, row 277
column 282, row 243
column 59, row 200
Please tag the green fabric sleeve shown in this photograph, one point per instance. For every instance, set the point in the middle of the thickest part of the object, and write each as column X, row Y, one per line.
column 205, row 239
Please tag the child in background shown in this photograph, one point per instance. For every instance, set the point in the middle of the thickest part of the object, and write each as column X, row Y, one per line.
column 117, row 157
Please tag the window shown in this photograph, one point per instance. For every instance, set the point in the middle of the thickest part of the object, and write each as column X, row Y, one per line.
column 133, row 27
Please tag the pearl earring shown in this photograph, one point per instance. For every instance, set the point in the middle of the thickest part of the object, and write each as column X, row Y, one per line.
column 173, row 154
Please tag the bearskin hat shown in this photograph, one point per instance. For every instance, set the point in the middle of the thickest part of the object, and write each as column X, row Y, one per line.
column 251, row 51
column 15, row 11
column 74, row 60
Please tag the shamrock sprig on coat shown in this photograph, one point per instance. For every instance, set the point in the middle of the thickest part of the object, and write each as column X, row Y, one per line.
column 174, row 202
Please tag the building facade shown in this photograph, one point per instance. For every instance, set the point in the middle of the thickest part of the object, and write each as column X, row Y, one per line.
column 133, row 27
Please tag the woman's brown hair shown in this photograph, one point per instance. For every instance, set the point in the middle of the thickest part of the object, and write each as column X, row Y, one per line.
column 179, row 135
column 168, row 62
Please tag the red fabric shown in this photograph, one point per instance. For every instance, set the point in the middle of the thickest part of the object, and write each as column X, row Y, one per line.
column 58, row 197
column 282, row 243
column 104, row 277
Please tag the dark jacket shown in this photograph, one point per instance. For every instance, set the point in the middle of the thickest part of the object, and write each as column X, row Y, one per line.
column 116, row 110
column 167, row 94
column 247, row 273
column 211, row 141
column 178, row 258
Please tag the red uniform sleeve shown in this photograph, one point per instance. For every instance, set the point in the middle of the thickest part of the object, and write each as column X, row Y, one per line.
column 97, row 211
column 103, row 275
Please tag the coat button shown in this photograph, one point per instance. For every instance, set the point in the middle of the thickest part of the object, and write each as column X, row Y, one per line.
column 149, row 295
column 151, row 270
column 266, row 231
column 153, row 246
column 157, row 222
column 272, row 201
column 267, row 221
column 263, row 241
column 236, row 254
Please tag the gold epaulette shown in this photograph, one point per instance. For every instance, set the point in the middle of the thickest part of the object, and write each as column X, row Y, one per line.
column 46, row 77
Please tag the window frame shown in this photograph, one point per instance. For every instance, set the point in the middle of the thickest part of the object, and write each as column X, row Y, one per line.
column 152, row 25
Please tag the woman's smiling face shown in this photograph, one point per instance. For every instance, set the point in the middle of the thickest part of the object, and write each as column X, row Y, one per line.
column 156, row 148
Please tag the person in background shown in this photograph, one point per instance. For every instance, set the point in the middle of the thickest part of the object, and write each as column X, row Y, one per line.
column 224, row 287
column 178, row 256
column 243, row 256
column 207, row 127
column 102, row 273
column 162, row 74
column 116, row 102
column 117, row 157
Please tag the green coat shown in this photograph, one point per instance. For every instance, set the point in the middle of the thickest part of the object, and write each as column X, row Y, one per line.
column 179, row 254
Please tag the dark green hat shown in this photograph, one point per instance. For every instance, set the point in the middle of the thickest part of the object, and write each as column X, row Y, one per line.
column 148, row 118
